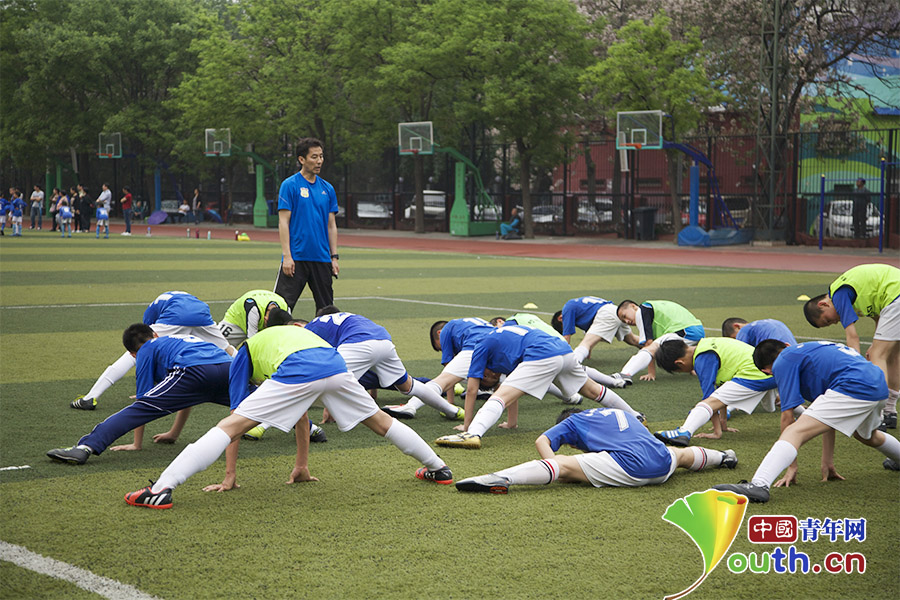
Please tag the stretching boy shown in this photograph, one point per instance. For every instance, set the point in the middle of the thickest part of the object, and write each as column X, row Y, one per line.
column 367, row 346
column 532, row 360
column 597, row 318
column 293, row 367
column 618, row 452
column 172, row 374
column 172, row 313
column 849, row 393
column 867, row 291
column 755, row 332
column 657, row 321
column 727, row 377
column 249, row 314
column 455, row 340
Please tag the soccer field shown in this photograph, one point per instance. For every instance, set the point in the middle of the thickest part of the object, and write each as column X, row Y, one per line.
column 369, row 528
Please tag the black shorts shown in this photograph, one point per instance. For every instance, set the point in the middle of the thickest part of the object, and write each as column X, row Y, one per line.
column 316, row 274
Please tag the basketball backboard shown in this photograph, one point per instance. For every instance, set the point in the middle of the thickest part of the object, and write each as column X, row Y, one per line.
column 110, row 145
column 218, row 142
column 415, row 138
column 639, row 130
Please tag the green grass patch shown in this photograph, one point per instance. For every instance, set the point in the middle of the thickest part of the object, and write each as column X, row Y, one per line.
column 369, row 529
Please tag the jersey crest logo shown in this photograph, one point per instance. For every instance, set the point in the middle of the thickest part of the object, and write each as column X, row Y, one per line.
column 304, row 192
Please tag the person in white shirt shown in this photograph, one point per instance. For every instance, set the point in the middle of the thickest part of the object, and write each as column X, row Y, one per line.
column 37, row 206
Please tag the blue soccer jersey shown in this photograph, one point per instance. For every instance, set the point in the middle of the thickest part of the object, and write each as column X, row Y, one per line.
column 706, row 366
column 580, row 312
column 805, row 371
column 157, row 356
column 347, row 328
column 178, row 308
column 765, row 329
column 18, row 207
column 505, row 348
column 310, row 205
column 462, row 334
column 620, row 434
column 843, row 300
column 303, row 366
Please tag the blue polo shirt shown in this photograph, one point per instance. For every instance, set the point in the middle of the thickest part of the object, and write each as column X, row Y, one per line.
column 505, row 348
column 580, row 312
column 310, row 204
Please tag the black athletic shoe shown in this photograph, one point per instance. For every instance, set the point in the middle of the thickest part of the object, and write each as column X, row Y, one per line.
column 73, row 455
column 317, row 435
column 82, row 403
column 890, row 465
column 442, row 475
column 730, row 460
column 489, row 484
column 754, row 493
column 144, row 497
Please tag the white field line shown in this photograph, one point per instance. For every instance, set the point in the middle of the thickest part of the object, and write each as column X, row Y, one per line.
column 102, row 586
column 15, row 468
column 501, row 310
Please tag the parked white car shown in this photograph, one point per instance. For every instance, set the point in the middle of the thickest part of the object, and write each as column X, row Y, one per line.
column 838, row 220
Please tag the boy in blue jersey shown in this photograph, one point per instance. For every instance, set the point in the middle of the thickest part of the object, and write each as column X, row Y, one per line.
column 17, row 212
column 455, row 340
column 531, row 359
column 618, row 452
column 728, row 378
column 657, row 321
column 5, row 207
column 868, row 290
column 367, row 346
column 597, row 318
column 172, row 374
column 849, row 393
column 756, row 331
column 102, row 220
column 307, row 229
column 171, row 313
column 274, row 379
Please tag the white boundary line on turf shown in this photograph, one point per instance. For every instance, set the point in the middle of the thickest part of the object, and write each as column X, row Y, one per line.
column 15, row 468
column 383, row 298
column 102, row 586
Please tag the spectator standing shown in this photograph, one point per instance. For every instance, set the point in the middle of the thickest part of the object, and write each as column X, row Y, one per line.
column 196, row 206
column 87, row 207
column 127, row 210
column 54, row 203
column 37, row 206
column 860, row 209
column 307, row 230
column 104, row 200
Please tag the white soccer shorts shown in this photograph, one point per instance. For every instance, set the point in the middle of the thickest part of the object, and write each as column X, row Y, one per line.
column 603, row 471
column 535, row 376
column 847, row 414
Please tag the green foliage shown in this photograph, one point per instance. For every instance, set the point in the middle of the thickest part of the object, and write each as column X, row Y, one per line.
column 369, row 528
column 85, row 67
column 646, row 68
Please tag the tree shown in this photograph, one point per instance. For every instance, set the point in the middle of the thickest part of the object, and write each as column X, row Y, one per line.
column 85, row 67
column 530, row 53
column 647, row 69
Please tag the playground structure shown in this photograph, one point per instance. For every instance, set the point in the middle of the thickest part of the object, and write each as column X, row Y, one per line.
column 643, row 130
column 480, row 217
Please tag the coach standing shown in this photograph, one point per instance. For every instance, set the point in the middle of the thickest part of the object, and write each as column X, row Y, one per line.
column 307, row 230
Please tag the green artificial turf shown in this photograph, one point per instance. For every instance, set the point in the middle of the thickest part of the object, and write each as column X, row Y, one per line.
column 369, row 529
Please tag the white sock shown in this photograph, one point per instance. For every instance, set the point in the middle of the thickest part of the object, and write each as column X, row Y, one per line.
column 194, row 458
column 697, row 418
column 580, row 353
column 637, row 363
column 610, row 399
column 777, row 460
column 535, row 472
column 599, row 377
column 432, row 398
column 486, row 416
column 890, row 448
column 553, row 390
column 705, row 458
column 409, row 443
column 891, row 406
column 112, row 374
column 798, row 410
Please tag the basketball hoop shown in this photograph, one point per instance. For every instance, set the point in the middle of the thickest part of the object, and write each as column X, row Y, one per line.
column 634, row 146
column 104, row 155
column 213, row 154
